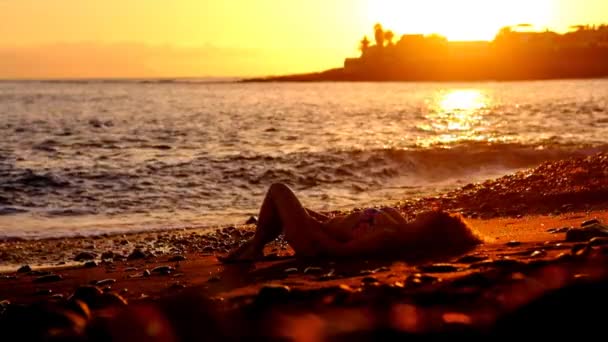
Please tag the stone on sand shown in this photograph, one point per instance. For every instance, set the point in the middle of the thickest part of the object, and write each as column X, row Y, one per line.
column 82, row 256
column 587, row 232
column 24, row 269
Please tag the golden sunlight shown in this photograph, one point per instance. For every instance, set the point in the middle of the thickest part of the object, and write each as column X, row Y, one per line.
column 462, row 100
column 458, row 20
column 456, row 115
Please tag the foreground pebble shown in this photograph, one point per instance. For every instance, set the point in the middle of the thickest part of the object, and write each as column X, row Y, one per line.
column 48, row 278
column 24, row 269
column 588, row 230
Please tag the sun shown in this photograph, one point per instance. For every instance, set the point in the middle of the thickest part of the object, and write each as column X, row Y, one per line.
column 458, row 19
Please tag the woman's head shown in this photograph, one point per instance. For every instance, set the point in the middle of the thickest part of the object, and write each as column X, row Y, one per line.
column 441, row 231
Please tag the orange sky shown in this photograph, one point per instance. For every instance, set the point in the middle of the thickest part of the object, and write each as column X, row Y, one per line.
column 180, row 38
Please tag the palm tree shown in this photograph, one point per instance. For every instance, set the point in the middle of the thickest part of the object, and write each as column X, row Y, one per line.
column 389, row 36
column 379, row 35
column 364, row 45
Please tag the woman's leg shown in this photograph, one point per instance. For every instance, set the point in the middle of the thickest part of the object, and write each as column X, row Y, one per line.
column 267, row 229
column 281, row 211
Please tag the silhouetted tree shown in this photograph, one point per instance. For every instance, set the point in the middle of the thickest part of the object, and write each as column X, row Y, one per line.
column 504, row 34
column 364, row 45
column 379, row 35
column 389, row 36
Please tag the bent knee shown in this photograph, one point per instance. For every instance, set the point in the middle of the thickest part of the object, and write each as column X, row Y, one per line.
column 279, row 188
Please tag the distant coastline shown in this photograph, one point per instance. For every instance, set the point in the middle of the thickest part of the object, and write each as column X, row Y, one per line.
column 516, row 54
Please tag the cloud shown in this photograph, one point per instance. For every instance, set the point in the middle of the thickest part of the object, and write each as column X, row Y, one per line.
column 93, row 60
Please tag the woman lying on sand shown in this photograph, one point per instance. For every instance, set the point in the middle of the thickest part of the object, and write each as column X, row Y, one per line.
column 378, row 232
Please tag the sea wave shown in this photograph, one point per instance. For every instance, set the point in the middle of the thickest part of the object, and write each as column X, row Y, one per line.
column 156, row 184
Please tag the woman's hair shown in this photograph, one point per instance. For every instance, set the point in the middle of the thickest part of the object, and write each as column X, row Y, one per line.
column 442, row 233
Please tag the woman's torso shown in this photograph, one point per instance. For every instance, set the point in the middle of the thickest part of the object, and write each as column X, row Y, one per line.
column 363, row 222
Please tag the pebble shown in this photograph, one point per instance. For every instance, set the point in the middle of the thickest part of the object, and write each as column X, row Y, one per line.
column 419, row 279
column 107, row 255
column 87, row 294
column 103, row 282
column 291, row 270
column 369, row 280
column 587, row 232
column 82, row 256
column 90, row 264
column 513, row 243
column 598, row 241
column 345, row 288
column 208, row 249
column 163, row 269
column 564, row 256
column 146, row 273
column 24, row 269
column 136, row 254
column 538, row 254
column 313, row 270
column 577, row 247
column 590, row 222
column 584, row 251
column 438, row 268
column 49, row 278
column 559, row 230
column 273, row 291
column 176, row 258
column 468, row 259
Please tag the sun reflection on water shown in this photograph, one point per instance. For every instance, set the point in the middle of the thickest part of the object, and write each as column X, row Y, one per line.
column 455, row 115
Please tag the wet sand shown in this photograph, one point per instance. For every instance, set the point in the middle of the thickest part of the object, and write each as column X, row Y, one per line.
column 531, row 274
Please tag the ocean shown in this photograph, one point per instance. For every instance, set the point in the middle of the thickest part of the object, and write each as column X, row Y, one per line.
column 90, row 157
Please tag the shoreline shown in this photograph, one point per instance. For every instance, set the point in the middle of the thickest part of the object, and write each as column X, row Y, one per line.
column 339, row 75
column 509, row 237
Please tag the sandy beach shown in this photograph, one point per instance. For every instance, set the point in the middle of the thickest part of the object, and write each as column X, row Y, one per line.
column 544, row 248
